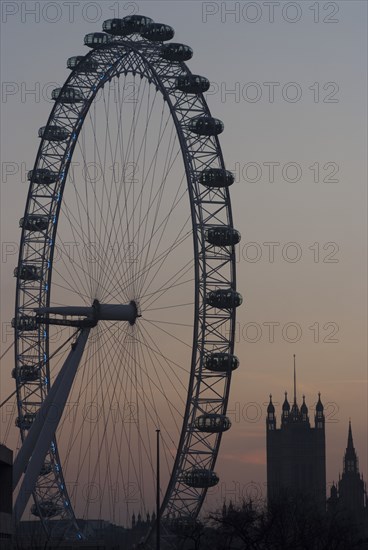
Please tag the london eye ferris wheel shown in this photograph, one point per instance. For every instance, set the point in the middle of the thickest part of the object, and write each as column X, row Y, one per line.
column 126, row 287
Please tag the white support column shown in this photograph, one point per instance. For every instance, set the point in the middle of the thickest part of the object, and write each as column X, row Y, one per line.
column 32, row 455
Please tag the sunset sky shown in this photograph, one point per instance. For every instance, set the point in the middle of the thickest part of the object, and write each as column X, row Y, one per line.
column 290, row 85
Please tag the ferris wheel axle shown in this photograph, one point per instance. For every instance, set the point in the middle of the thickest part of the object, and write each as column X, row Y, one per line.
column 90, row 315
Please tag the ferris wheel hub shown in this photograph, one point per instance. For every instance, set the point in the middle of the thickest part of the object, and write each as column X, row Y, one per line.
column 88, row 316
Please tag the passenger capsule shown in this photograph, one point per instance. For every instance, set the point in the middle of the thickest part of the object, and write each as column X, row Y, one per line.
column 192, row 84
column 158, row 32
column 24, row 323
column 222, row 235
column 67, row 95
column 212, row 423
column 96, row 39
column 28, row 273
column 206, row 126
column 224, row 298
column 34, row 222
column 43, row 176
column 200, row 478
column 116, row 27
column 176, row 52
column 26, row 373
column 221, row 362
column 47, row 509
column 216, row 177
column 53, row 133
column 25, row 422
column 136, row 23
column 128, row 25
column 81, row 64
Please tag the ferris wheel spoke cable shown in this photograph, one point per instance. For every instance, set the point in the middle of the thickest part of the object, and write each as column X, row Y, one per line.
column 167, row 440
column 86, row 245
column 99, row 156
column 140, row 385
column 152, row 170
column 159, row 195
column 104, row 266
column 98, row 388
column 163, row 223
column 109, row 446
column 169, row 334
column 90, row 354
column 146, row 216
column 145, row 171
column 173, row 366
column 72, row 272
column 126, row 238
column 172, row 283
column 152, row 383
column 167, row 285
column 153, row 262
column 163, row 179
column 162, row 226
column 147, row 266
column 171, row 323
column 118, row 211
column 152, row 347
column 188, row 304
column 6, row 351
column 178, row 241
column 110, row 214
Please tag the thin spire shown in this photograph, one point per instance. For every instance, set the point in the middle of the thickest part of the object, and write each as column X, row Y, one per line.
column 294, row 382
column 350, row 459
column 350, row 438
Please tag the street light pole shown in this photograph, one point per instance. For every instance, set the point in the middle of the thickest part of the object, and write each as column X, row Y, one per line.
column 158, row 518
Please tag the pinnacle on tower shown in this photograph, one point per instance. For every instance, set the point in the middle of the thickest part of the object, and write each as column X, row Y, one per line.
column 350, row 458
column 295, row 408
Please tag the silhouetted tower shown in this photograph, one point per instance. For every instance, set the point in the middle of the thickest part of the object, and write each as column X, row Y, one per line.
column 296, row 456
column 351, row 485
column 333, row 501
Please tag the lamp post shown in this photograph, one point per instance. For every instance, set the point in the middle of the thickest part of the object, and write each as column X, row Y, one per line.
column 158, row 492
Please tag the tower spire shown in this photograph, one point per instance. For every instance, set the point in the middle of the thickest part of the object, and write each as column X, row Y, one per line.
column 294, row 409
column 350, row 446
column 351, row 463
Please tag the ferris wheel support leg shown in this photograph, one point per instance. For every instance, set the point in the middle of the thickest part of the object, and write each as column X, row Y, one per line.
column 34, row 449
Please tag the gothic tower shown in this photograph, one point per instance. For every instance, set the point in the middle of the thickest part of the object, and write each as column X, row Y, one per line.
column 296, row 456
column 351, row 485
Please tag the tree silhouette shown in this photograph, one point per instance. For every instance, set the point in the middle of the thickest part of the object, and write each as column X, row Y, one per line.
column 290, row 522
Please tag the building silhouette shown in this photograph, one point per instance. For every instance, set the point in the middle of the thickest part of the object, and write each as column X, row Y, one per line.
column 6, row 497
column 349, row 496
column 296, row 451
